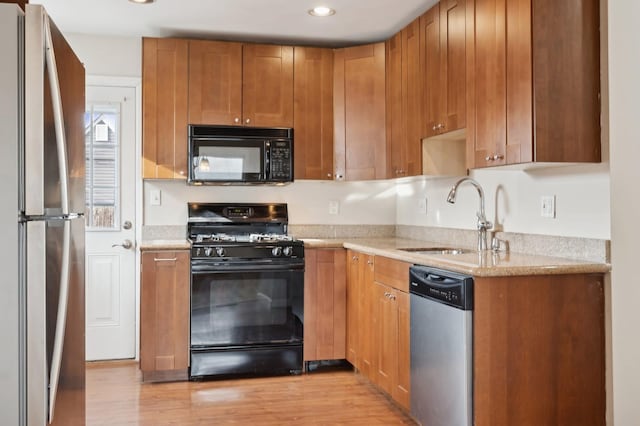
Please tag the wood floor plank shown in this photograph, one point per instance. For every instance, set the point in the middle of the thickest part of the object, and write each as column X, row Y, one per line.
column 116, row 396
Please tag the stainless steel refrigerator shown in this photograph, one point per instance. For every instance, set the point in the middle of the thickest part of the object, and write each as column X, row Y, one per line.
column 42, row 180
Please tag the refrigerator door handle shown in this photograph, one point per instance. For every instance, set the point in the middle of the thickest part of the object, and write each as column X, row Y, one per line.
column 58, row 117
column 61, row 321
column 61, row 144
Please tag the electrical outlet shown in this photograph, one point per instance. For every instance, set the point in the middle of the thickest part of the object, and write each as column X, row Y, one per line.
column 334, row 207
column 548, row 206
column 155, row 197
column 422, row 205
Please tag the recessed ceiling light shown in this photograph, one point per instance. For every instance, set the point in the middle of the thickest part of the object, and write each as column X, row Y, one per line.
column 142, row 1
column 322, row 11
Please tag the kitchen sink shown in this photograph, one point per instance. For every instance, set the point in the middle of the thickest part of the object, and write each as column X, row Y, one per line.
column 435, row 250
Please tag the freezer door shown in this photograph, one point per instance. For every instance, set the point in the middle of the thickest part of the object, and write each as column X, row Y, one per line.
column 55, row 322
column 55, row 88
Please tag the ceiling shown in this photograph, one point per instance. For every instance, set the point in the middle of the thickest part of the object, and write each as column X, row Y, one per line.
column 355, row 21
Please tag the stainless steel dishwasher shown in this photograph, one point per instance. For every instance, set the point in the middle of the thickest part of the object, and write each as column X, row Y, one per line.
column 441, row 347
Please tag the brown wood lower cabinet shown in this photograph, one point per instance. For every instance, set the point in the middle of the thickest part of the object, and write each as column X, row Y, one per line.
column 324, row 304
column 164, row 315
column 539, row 350
column 378, row 322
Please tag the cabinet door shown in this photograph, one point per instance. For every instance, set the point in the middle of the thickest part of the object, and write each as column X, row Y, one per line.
column 361, row 149
column 402, row 383
column 430, row 46
column 353, row 306
column 396, row 128
column 519, row 113
column 387, row 337
column 215, row 82
column 267, row 85
column 164, row 108
column 164, row 315
column 313, row 113
column 325, row 304
column 486, row 81
column 412, row 99
column 367, row 319
column 452, row 64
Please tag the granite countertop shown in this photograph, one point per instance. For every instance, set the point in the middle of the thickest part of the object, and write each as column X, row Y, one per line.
column 148, row 245
column 472, row 262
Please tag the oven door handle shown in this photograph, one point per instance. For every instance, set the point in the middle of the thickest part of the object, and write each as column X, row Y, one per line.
column 221, row 268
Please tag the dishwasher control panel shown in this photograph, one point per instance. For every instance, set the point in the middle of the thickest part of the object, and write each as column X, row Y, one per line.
column 450, row 288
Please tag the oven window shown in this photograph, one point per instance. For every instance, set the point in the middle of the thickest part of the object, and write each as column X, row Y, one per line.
column 245, row 308
column 227, row 162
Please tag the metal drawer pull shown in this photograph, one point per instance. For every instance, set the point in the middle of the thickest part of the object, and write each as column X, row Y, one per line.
column 155, row 259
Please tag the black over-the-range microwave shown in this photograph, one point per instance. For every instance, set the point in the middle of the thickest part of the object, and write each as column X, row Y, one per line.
column 240, row 155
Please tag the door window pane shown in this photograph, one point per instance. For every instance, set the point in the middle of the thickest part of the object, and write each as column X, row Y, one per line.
column 102, row 138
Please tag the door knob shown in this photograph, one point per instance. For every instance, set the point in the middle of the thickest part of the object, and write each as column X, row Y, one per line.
column 126, row 244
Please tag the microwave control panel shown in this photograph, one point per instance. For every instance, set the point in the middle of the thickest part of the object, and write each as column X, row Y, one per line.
column 280, row 160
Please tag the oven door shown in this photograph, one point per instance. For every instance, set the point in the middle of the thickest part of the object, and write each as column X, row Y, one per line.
column 246, row 319
column 227, row 160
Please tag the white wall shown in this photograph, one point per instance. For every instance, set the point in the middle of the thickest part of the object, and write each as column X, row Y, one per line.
column 370, row 203
column 107, row 55
column 512, row 201
column 624, row 89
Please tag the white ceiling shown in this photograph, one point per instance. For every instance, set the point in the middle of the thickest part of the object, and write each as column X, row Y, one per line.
column 356, row 21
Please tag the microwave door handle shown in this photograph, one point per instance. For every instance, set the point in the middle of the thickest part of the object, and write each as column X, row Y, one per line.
column 267, row 162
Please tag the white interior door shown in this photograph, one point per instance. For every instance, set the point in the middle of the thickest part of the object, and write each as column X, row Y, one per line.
column 110, row 232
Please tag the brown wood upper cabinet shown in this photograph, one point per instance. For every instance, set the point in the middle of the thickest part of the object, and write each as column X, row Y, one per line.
column 533, row 82
column 404, row 101
column 442, row 44
column 164, row 108
column 359, row 112
column 164, row 315
column 240, row 84
column 313, row 112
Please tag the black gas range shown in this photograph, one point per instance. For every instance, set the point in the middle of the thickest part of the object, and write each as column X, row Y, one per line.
column 247, row 290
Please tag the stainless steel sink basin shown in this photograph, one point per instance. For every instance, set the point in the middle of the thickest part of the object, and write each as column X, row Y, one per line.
column 435, row 250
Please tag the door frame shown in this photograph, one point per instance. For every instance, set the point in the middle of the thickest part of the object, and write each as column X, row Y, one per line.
column 136, row 83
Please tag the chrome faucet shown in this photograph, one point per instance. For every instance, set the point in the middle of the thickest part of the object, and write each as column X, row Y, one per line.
column 483, row 224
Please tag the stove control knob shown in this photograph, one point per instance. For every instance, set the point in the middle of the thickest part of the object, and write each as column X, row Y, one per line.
column 288, row 251
column 207, row 251
column 276, row 251
column 220, row 251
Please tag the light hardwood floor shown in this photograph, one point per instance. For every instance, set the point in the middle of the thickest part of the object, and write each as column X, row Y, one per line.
column 116, row 396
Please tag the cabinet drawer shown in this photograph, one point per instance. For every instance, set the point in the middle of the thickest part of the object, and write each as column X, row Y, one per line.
column 391, row 272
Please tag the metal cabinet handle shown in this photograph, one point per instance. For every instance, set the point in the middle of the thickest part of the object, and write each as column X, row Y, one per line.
column 354, row 258
column 173, row 259
column 126, row 244
column 369, row 262
column 247, row 121
column 236, row 120
column 494, row 157
column 338, row 176
column 329, row 175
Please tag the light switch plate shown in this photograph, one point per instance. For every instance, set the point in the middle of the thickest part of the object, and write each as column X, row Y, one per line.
column 155, row 197
column 548, row 206
column 422, row 205
column 334, row 207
